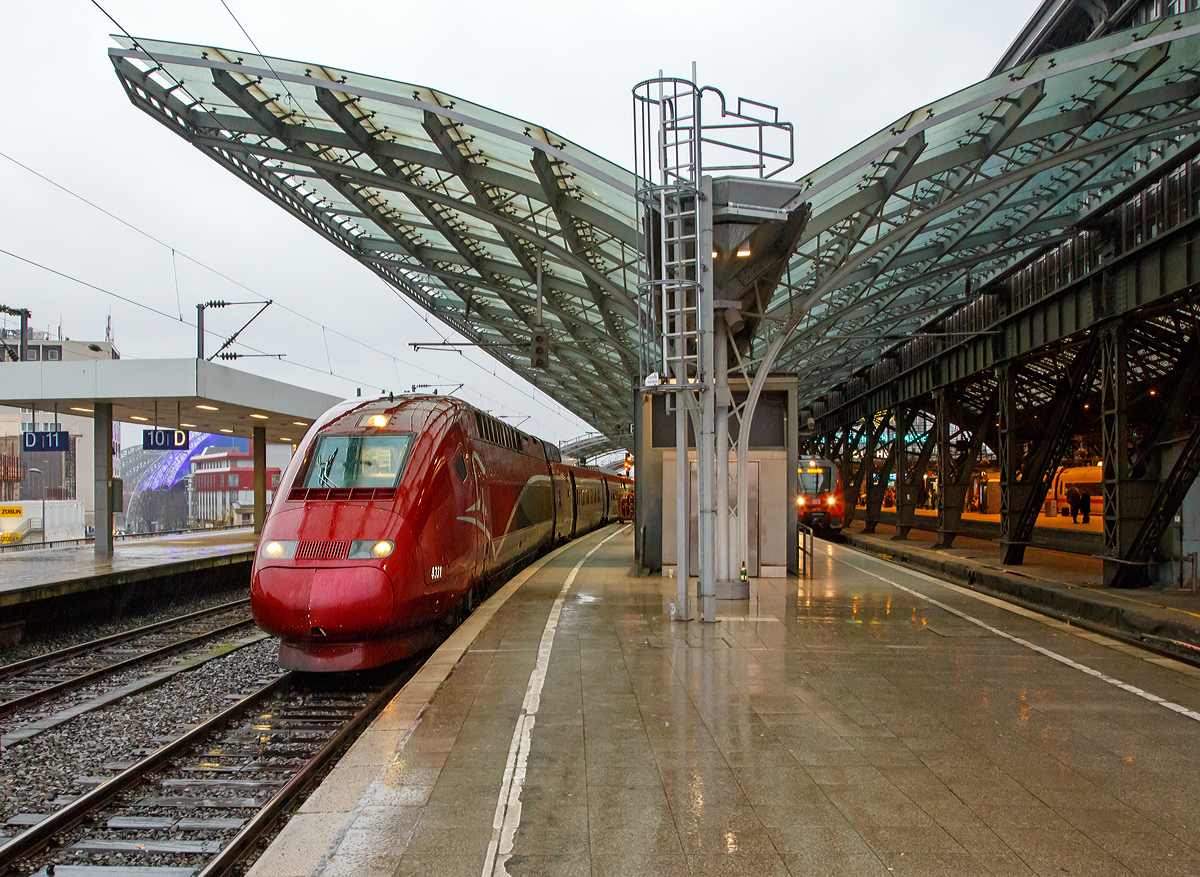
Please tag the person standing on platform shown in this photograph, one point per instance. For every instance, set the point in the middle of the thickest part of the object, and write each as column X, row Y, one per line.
column 1085, row 505
column 1073, row 502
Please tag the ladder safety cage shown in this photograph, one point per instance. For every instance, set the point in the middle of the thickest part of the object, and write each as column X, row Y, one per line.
column 667, row 137
column 673, row 148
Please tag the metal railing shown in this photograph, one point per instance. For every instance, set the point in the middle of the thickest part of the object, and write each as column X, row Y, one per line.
column 125, row 537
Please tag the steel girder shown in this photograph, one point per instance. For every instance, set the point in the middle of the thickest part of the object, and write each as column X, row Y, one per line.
column 1024, row 178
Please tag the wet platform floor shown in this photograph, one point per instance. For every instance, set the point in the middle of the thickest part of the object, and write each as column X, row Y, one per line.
column 38, row 573
column 871, row 721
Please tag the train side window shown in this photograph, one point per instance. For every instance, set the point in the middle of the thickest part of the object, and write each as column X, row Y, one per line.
column 460, row 466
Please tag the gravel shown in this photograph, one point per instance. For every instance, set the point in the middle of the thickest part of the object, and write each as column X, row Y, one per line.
column 36, row 771
column 113, row 681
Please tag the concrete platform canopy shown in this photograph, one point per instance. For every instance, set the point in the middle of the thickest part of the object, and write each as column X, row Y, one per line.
column 187, row 394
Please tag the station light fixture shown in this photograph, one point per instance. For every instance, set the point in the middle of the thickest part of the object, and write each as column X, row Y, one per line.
column 298, row 423
column 140, row 419
column 227, row 431
column 84, row 410
column 260, row 417
column 189, row 425
column 208, row 408
column 744, row 251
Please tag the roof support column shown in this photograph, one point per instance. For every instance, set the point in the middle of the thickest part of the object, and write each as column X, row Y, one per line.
column 102, row 453
column 910, row 480
column 879, row 485
column 721, row 554
column 260, row 478
column 1126, row 499
column 1013, row 493
column 1024, row 483
column 853, row 485
column 1157, row 500
column 683, row 609
column 706, row 468
column 954, row 474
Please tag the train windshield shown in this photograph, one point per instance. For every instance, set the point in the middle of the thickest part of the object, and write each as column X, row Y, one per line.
column 358, row 460
column 816, row 479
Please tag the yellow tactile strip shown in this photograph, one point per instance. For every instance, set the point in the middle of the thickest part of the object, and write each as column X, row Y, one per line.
column 358, row 785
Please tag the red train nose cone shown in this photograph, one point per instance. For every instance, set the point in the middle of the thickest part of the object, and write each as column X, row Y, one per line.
column 329, row 603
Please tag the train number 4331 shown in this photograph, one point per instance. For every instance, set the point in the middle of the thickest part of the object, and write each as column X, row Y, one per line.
column 435, row 573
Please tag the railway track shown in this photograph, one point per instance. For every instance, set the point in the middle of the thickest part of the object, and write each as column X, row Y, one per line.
column 200, row 803
column 26, row 683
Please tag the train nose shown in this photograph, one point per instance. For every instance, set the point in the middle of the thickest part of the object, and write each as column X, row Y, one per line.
column 334, row 603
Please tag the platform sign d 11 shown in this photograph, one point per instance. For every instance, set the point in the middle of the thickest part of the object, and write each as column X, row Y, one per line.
column 165, row 439
column 41, row 442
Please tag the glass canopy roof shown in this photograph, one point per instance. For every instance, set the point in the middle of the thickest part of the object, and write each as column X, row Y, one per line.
column 453, row 204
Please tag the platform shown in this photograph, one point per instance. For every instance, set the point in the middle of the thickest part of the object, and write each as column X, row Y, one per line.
column 43, row 573
column 1055, row 580
column 872, row 721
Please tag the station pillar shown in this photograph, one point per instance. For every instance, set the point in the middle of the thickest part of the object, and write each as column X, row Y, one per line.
column 102, row 453
column 260, row 477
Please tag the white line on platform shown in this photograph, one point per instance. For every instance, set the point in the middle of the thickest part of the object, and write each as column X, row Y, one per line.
column 508, row 806
column 1062, row 659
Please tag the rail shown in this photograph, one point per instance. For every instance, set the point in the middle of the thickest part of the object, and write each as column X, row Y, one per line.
column 805, row 538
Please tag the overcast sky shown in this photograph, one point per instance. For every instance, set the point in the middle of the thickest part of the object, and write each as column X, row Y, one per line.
column 839, row 71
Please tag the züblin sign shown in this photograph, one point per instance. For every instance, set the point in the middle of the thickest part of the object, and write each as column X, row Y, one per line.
column 34, row 442
column 165, row 439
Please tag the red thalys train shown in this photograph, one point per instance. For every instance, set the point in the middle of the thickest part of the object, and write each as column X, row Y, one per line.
column 397, row 514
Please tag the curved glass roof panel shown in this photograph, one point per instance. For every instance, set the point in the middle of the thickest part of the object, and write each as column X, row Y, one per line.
column 455, row 205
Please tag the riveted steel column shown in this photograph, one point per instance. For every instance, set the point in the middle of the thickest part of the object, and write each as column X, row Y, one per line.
column 1120, row 519
column 1012, row 494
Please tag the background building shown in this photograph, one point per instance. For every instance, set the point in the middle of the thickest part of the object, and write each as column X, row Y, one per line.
column 60, row 475
column 222, row 484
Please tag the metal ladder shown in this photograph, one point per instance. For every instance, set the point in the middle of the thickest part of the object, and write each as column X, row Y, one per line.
column 669, row 188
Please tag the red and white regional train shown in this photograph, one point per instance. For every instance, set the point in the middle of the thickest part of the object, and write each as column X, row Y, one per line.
column 397, row 514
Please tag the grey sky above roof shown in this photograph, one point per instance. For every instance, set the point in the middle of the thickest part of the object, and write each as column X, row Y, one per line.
column 837, row 90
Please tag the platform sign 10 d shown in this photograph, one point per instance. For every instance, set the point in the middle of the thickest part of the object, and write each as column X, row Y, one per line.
column 165, row 439
column 40, row 442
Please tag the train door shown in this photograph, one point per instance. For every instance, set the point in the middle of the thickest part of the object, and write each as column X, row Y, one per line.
column 574, row 505
column 451, row 541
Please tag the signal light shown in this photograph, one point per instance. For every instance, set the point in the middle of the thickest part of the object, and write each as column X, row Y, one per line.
column 628, row 463
column 539, row 347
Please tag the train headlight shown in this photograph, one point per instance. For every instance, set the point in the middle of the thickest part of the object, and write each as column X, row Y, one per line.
column 371, row 549
column 832, row 500
column 378, row 421
column 800, row 500
column 278, row 549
